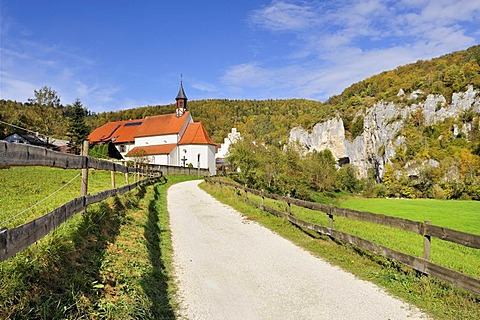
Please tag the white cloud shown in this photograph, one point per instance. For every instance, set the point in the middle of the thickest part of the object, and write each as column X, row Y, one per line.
column 247, row 75
column 283, row 16
column 342, row 42
column 15, row 89
column 203, row 86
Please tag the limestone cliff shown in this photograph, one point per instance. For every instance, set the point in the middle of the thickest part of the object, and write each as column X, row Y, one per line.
column 377, row 145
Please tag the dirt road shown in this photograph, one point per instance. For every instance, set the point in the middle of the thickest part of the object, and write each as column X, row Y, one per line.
column 231, row 268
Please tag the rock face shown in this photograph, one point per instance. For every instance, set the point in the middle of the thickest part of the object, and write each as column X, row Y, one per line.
column 377, row 144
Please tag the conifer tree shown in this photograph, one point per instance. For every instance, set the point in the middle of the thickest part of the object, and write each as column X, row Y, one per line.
column 77, row 130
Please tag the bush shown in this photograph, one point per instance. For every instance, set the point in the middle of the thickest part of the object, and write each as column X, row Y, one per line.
column 379, row 190
column 436, row 192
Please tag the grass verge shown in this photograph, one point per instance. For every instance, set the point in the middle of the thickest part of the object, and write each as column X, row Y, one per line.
column 438, row 299
column 114, row 262
column 22, row 187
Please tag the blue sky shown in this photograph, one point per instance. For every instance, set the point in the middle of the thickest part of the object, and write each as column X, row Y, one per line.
column 121, row 54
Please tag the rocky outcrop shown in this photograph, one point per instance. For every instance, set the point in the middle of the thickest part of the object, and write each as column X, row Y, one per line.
column 380, row 139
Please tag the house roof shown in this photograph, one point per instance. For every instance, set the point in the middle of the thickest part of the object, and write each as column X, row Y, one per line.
column 117, row 131
column 161, row 125
column 151, row 150
column 196, row 134
column 29, row 139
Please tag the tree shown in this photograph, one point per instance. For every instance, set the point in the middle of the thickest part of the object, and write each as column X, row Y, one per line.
column 320, row 170
column 77, row 129
column 47, row 111
column 140, row 156
column 242, row 156
column 347, row 178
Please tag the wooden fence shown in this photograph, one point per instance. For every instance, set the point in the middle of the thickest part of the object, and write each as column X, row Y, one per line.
column 426, row 230
column 11, row 154
column 14, row 154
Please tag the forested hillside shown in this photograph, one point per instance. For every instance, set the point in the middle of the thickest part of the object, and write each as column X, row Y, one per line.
column 271, row 120
column 268, row 123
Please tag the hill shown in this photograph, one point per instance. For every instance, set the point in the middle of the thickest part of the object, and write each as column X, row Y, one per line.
column 271, row 120
column 411, row 114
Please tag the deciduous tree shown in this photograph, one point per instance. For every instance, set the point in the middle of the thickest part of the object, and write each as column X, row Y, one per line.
column 47, row 111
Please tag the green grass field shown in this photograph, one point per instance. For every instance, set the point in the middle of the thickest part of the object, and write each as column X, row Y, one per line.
column 454, row 214
column 440, row 300
column 23, row 187
column 458, row 257
column 111, row 262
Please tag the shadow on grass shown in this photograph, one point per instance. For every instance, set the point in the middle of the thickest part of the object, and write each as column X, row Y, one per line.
column 61, row 278
column 155, row 282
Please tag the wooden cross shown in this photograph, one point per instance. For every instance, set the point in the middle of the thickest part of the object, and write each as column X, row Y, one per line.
column 184, row 160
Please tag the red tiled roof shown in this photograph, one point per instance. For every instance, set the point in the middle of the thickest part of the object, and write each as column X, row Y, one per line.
column 119, row 131
column 196, row 134
column 162, row 124
column 151, row 150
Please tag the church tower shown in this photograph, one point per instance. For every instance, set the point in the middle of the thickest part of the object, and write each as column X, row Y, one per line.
column 181, row 101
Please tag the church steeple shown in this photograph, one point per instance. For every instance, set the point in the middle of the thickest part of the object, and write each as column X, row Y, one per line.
column 181, row 101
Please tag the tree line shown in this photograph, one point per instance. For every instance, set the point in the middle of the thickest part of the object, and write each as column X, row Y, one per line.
column 46, row 116
column 268, row 123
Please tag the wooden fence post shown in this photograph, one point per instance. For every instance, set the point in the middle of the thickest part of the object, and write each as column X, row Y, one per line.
column 288, row 204
column 330, row 217
column 246, row 195
column 135, row 171
column 263, row 199
column 112, row 175
column 84, row 187
column 426, row 241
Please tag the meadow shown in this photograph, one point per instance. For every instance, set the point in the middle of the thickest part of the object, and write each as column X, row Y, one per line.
column 111, row 262
column 115, row 260
column 23, row 187
column 460, row 215
column 440, row 300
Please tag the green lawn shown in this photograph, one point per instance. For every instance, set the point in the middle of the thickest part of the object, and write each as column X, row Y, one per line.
column 22, row 187
column 444, row 253
column 112, row 262
column 454, row 214
column 438, row 299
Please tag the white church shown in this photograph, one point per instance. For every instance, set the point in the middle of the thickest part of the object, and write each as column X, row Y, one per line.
column 170, row 139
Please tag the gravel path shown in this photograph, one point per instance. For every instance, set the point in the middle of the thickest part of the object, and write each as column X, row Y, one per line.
column 231, row 268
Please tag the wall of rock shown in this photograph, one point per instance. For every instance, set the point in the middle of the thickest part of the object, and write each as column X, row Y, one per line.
column 377, row 144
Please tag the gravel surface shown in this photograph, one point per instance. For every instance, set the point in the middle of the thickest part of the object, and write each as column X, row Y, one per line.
column 230, row 268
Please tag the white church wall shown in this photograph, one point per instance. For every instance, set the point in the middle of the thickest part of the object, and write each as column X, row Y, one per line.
column 156, row 140
column 161, row 159
column 192, row 152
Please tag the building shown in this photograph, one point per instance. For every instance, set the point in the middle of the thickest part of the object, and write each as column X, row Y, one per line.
column 231, row 138
column 31, row 139
column 170, row 139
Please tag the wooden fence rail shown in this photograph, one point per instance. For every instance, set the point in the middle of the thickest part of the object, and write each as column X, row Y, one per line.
column 12, row 154
column 426, row 230
column 16, row 239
